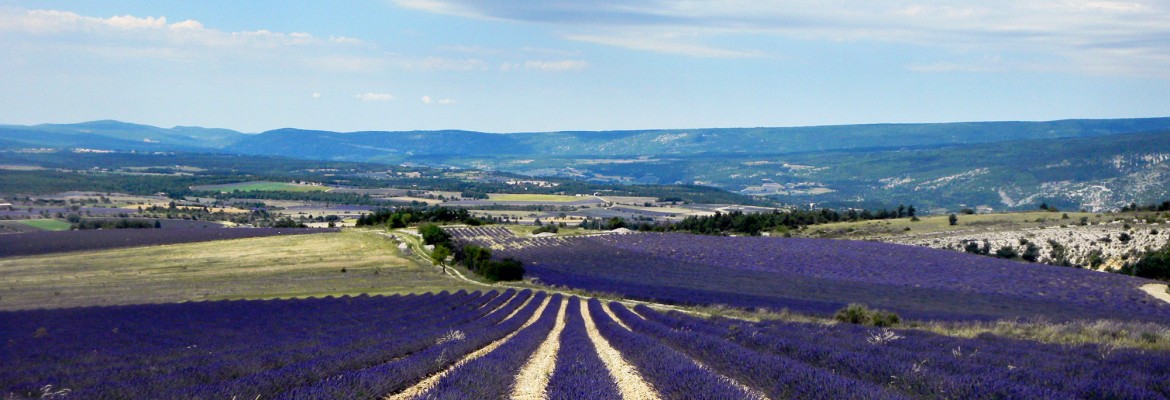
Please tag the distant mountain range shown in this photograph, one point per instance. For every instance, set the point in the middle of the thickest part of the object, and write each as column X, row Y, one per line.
column 970, row 163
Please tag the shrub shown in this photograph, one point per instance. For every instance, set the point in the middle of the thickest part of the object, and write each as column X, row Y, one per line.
column 1006, row 252
column 1153, row 265
column 507, row 270
column 550, row 228
column 1031, row 252
column 883, row 318
column 860, row 314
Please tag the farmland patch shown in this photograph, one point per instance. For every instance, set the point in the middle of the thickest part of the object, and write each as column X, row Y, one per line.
column 262, row 186
column 46, row 224
column 35, row 243
column 265, row 267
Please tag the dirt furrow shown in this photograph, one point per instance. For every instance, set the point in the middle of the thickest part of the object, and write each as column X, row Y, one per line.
column 427, row 384
column 630, row 383
column 614, row 317
column 513, row 314
column 532, row 382
column 756, row 394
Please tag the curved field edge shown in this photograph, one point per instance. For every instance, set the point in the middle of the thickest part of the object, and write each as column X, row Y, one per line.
column 1042, row 328
column 820, row 276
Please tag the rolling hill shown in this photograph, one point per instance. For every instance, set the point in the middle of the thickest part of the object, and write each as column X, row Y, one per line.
column 1090, row 164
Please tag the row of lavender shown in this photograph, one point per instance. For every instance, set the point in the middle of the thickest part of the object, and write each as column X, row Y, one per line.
column 348, row 347
column 820, row 276
column 368, row 347
column 795, row 360
column 683, row 357
column 36, row 243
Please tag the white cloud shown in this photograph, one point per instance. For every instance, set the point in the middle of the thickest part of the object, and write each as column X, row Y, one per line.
column 442, row 102
column 562, row 65
column 132, row 22
column 370, row 96
column 316, row 95
column 151, row 29
column 129, row 39
column 188, row 24
column 345, row 40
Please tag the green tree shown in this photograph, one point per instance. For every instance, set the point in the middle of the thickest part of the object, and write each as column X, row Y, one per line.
column 474, row 257
column 440, row 254
column 953, row 219
column 434, row 235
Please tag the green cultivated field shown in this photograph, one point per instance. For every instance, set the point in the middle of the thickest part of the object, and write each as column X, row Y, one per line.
column 46, row 224
column 266, row 186
column 258, row 268
column 553, row 198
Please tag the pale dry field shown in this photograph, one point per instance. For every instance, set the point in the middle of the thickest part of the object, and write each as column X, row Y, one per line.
column 257, row 268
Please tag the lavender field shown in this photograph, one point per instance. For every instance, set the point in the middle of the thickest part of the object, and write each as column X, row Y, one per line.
column 527, row 344
column 820, row 276
column 36, row 243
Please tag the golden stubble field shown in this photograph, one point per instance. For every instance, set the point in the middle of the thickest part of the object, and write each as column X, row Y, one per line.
column 257, row 268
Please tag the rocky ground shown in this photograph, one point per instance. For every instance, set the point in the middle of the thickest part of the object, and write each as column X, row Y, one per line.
column 1101, row 246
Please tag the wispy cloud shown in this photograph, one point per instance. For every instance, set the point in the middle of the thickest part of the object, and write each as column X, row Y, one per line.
column 371, row 96
column 667, row 44
column 561, row 65
column 443, row 64
column 186, row 33
column 1093, row 36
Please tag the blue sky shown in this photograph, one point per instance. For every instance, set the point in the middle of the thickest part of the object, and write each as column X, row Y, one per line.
column 520, row 65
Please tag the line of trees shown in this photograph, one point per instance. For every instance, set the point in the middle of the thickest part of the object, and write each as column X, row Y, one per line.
column 753, row 224
column 476, row 258
column 406, row 216
column 1165, row 206
column 123, row 223
column 479, row 260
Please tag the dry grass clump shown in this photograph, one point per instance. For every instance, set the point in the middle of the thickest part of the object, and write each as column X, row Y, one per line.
column 1144, row 335
column 1120, row 334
